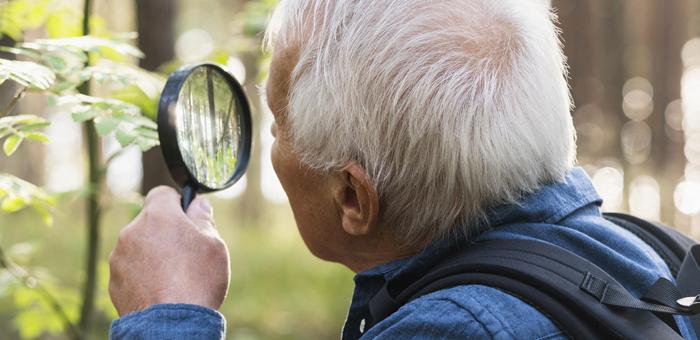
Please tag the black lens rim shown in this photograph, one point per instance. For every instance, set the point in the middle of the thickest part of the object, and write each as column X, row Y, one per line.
column 167, row 128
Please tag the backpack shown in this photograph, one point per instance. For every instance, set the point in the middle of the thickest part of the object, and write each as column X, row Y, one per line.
column 579, row 297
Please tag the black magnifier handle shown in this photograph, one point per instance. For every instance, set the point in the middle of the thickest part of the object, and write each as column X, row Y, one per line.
column 188, row 195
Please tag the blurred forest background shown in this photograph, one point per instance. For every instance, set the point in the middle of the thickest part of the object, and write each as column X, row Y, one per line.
column 89, row 149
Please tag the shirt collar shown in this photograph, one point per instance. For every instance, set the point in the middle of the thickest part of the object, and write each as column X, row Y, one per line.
column 549, row 204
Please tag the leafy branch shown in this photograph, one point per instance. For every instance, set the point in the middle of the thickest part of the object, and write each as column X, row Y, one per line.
column 31, row 282
column 114, row 116
column 58, row 66
column 26, row 73
column 15, row 129
column 67, row 57
column 17, row 194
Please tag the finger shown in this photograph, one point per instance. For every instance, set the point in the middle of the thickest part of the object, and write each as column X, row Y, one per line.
column 163, row 196
column 163, row 201
column 201, row 212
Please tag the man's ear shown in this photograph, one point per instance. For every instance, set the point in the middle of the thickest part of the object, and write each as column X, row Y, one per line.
column 357, row 200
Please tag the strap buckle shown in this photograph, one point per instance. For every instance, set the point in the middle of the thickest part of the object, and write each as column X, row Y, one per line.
column 689, row 302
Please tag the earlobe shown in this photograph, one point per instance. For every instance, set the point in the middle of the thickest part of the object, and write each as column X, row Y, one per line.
column 357, row 200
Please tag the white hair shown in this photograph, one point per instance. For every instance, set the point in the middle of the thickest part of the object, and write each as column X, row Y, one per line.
column 451, row 106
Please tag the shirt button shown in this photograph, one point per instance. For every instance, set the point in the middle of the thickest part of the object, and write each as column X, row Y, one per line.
column 362, row 326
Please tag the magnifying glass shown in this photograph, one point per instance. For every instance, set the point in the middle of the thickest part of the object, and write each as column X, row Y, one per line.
column 205, row 129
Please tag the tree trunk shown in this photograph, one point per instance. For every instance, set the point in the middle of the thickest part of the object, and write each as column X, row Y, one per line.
column 591, row 32
column 669, row 35
column 155, row 20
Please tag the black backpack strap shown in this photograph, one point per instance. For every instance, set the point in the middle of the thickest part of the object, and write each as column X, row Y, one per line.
column 688, row 280
column 681, row 254
column 671, row 245
column 578, row 296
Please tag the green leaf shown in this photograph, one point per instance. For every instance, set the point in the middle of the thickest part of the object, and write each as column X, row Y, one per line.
column 55, row 62
column 12, row 18
column 46, row 216
column 36, row 16
column 145, row 144
column 34, row 126
column 47, row 219
column 64, row 23
column 24, row 297
column 219, row 56
column 125, row 136
column 106, row 125
column 136, row 96
column 27, row 73
column 21, row 51
column 11, row 144
column 21, row 120
column 145, row 122
column 35, row 315
column 12, row 204
column 38, row 137
column 5, row 131
column 63, row 87
column 109, row 106
column 18, row 79
column 85, row 115
column 19, row 194
column 87, row 44
column 30, row 323
column 147, row 133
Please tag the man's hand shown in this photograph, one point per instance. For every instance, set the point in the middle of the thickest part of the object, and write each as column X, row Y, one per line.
column 167, row 256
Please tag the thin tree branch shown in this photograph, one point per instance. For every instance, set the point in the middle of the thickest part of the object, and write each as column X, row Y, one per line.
column 11, row 106
column 112, row 157
column 29, row 281
column 93, row 207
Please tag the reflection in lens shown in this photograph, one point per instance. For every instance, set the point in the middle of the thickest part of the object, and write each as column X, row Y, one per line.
column 207, row 127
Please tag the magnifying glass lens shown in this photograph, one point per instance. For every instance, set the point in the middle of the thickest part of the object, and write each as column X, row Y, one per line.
column 208, row 130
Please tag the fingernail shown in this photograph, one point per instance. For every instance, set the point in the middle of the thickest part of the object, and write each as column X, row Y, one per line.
column 206, row 206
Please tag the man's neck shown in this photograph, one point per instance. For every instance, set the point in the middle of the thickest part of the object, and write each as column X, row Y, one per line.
column 377, row 254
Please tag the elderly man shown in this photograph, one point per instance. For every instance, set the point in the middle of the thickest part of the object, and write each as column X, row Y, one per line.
column 404, row 129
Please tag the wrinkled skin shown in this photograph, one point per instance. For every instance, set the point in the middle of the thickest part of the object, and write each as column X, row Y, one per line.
column 167, row 256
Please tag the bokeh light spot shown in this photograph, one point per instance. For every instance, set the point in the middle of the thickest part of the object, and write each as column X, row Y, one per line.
column 644, row 198
column 194, row 45
column 687, row 197
column 609, row 182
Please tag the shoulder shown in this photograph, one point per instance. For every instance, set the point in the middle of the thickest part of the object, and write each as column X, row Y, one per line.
column 469, row 311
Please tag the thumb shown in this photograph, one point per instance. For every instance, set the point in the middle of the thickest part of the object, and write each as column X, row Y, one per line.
column 201, row 212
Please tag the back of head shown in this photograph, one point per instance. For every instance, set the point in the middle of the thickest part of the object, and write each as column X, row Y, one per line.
column 452, row 106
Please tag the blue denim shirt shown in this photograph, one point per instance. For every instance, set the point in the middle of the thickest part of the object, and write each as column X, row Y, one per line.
column 565, row 214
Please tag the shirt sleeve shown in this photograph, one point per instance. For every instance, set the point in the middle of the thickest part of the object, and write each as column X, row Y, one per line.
column 170, row 321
